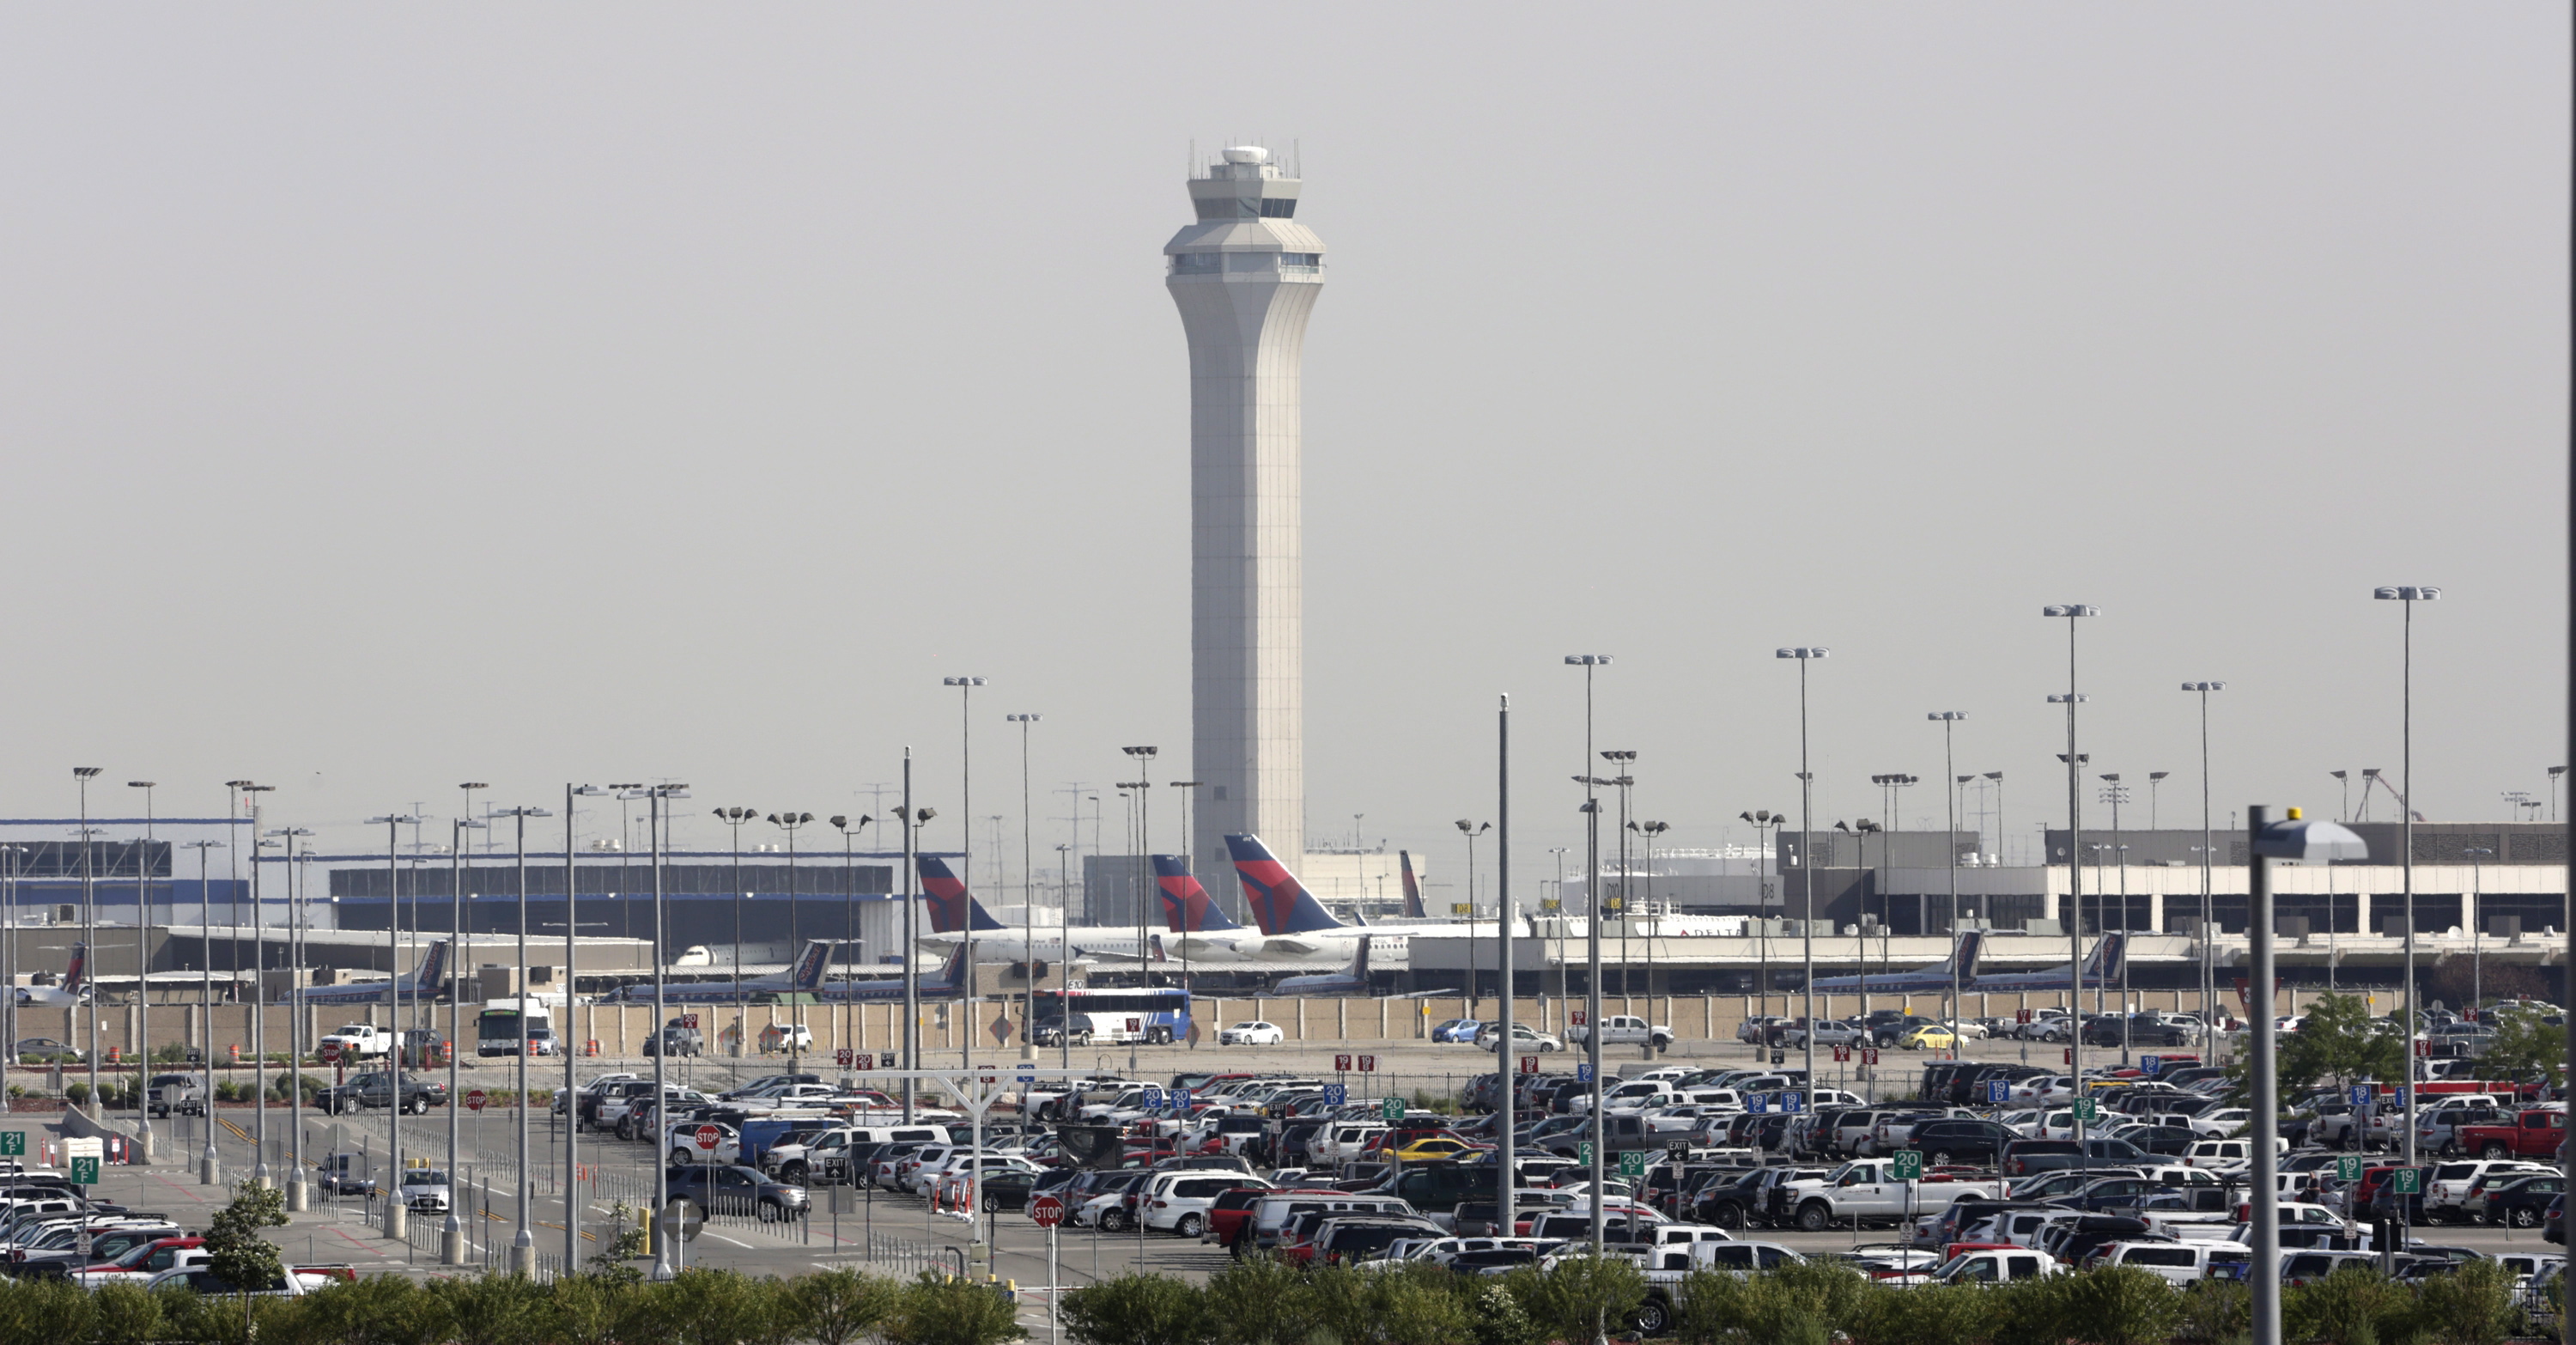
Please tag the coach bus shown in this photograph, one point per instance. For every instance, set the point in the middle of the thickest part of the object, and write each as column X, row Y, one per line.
column 1156, row 1016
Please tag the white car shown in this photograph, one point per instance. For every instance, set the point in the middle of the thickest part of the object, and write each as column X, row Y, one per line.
column 1524, row 1038
column 1178, row 1202
column 681, row 1142
column 425, row 1190
column 1252, row 1032
column 2042, row 1089
column 2222, row 1122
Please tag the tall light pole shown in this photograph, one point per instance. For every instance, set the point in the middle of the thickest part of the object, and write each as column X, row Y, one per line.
column 1144, row 846
column 258, row 997
column 1474, row 830
column 2554, row 773
column 1591, row 783
column 665, row 1228
column 913, row 820
column 2343, row 779
column 572, row 987
column 298, row 1196
column 790, row 823
column 89, row 928
column 2208, row 926
column 397, row 1215
column 451, row 1231
column 1625, row 763
column 523, row 1239
column 2072, row 612
column 1503, row 1076
column 2116, row 794
column 1998, row 778
column 209, row 1161
column 1064, row 931
column 1949, row 721
column 1650, row 831
column 1766, row 831
column 2409, row 595
column 734, row 818
column 149, row 1142
column 1556, row 903
column 850, row 828
column 1806, row 654
column 1029, row 893
column 966, row 799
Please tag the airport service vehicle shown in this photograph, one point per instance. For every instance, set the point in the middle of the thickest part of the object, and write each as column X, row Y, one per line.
column 357, row 1041
column 510, row 1027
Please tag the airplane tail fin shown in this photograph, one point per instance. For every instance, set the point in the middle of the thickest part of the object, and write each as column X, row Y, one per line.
column 1412, row 888
column 1280, row 904
column 1359, row 958
column 1154, row 948
column 79, row 969
column 2105, row 962
column 809, row 968
column 953, row 909
column 1187, row 908
column 1963, row 956
column 433, row 970
column 950, row 976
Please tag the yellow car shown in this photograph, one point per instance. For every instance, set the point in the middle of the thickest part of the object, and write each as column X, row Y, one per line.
column 1435, row 1149
column 1929, row 1037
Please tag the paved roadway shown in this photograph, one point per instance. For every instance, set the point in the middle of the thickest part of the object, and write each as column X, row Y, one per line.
column 907, row 1234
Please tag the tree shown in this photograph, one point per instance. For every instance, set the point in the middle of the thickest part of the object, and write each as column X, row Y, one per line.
column 1137, row 1310
column 234, row 1247
column 2527, row 1046
column 939, row 1310
column 2341, row 1042
column 840, row 1306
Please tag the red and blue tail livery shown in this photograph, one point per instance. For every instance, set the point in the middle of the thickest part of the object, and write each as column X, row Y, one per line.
column 953, row 909
column 1187, row 908
column 1412, row 889
column 1280, row 904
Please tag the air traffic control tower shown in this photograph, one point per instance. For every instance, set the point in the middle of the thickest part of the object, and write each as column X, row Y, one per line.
column 1245, row 275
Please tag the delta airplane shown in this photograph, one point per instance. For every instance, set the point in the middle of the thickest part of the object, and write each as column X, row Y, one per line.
column 1201, row 928
column 954, row 912
column 1294, row 924
column 1412, row 888
column 804, row 978
column 1931, row 980
column 426, row 981
column 74, row 989
column 2102, row 968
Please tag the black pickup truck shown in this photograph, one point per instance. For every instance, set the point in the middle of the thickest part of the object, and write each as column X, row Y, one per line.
column 375, row 1089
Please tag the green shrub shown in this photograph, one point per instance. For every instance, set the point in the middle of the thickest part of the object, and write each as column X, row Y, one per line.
column 2473, row 1305
column 2034, row 1312
column 234, row 1247
column 938, row 1310
column 1930, row 1314
column 1136, row 1310
column 2356, row 1305
column 1261, row 1300
column 840, row 1306
column 710, row 1307
column 2214, row 1312
column 77, row 1094
column 495, row 1310
column 45, row 1310
column 1582, row 1296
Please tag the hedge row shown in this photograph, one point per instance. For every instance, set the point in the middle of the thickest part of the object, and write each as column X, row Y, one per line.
column 1262, row 1302
column 700, row 1307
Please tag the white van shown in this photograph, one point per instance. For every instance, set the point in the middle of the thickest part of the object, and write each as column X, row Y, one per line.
column 2181, row 1262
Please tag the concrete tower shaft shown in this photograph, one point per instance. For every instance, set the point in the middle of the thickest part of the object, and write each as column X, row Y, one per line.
column 1245, row 277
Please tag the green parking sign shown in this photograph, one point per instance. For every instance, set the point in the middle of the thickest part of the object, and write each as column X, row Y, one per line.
column 2087, row 1110
column 2407, row 1181
column 2348, row 1168
column 1583, row 1153
column 1632, row 1163
column 1391, row 1108
column 1906, row 1165
column 84, row 1172
column 13, row 1144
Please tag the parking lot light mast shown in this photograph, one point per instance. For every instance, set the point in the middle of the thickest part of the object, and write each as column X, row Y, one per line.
column 734, row 818
column 1472, row 830
column 664, row 1228
column 1806, row 654
column 1949, row 721
column 209, row 1162
column 2409, row 595
column 523, row 1239
column 147, row 1141
column 258, row 996
column 451, row 1230
column 1029, row 892
column 298, row 1198
column 397, row 1215
column 789, row 823
column 563, row 1038
column 2208, row 929
column 1144, row 846
column 2073, row 612
column 89, row 928
column 1592, row 943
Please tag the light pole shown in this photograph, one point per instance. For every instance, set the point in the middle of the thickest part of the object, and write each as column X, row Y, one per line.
column 1064, row 934
column 1806, row 654
column 1144, row 846
column 913, row 820
column 2477, row 930
column 1556, row 903
column 451, row 1231
column 258, row 996
column 149, row 1142
column 2208, row 927
column 2073, row 612
column 1473, row 830
column 665, row 1227
column 397, row 1216
column 790, row 823
column 563, row 1037
column 850, row 828
column 1029, row 893
column 298, row 1196
column 1998, row 778
column 1650, row 831
column 1592, row 944
column 966, row 814
column 1189, row 791
column 1949, row 720
column 2554, row 773
column 2115, row 794
column 2409, row 595
column 209, row 1162
column 89, row 929
column 734, row 818
column 1503, row 1075
column 1766, row 831
column 523, row 1239
column 1624, row 763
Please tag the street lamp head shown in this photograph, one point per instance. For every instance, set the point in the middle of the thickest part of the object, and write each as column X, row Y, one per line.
column 1965, row 779
column 140, row 784
column 1618, row 756
column 1996, row 776
column 2112, row 776
column 470, row 784
column 2061, row 698
column 1947, row 716
column 1023, row 719
column 1802, row 652
column 2370, row 772
column 961, row 681
column 2204, row 686
column 2556, row 771
column 591, row 791
column 236, row 784
column 925, row 814
column 2407, row 593
column 393, row 819
column 2070, row 609
column 2340, row 775
column 85, row 772
column 2158, row 775
column 1139, row 751
column 2081, row 758
column 1588, row 660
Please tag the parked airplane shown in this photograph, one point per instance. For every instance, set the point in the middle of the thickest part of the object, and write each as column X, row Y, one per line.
column 1294, row 924
column 74, row 989
column 426, row 982
column 941, row 985
column 804, row 978
column 1351, row 980
column 1412, row 888
column 953, row 910
column 2101, row 968
column 1204, row 932
column 1931, row 980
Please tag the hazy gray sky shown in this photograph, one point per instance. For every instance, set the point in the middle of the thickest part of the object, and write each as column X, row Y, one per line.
column 401, row 396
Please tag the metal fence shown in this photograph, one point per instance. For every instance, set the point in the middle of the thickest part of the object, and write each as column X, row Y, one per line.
column 906, row 1258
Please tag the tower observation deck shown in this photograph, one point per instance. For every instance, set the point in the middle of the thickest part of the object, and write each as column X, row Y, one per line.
column 1245, row 275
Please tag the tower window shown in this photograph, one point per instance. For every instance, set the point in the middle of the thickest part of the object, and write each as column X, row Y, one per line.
column 1301, row 263
column 1197, row 263
column 1278, row 207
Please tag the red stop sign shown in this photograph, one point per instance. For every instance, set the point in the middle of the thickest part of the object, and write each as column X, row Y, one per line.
column 476, row 1100
column 707, row 1137
column 1047, row 1211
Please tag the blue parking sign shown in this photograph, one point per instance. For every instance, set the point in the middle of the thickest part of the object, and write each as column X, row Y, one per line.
column 1153, row 1097
column 2400, row 1100
column 1998, row 1091
column 1335, row 1095
column 1793, row 1102
column 1180, row 1099
column 2149, row 1064
column 1583, row 1072
column 2361, row 1095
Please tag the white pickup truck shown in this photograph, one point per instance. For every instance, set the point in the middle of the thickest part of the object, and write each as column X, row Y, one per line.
column 1623, row 1029
column 1863, row 1190
column 357, row 1041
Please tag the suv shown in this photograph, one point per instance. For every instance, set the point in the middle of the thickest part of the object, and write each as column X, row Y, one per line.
column 731, row 1189
column 676, row 1040
column 376, row 1089
column 182, row 1093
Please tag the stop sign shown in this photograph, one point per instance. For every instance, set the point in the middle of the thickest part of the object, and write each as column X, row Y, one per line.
column 476, row 1100
column 1047, row 1211
column 707, row 1137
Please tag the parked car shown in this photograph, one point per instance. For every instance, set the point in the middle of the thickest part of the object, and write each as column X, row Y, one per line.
column 676, row 1040
column 1622, row 1029
column 181, row 1093
column 376, row 1089
column 1524, row 1038
column 1252, row 1032
column 731, row 1189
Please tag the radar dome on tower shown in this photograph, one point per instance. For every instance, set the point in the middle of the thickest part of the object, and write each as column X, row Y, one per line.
column 1247, row 154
